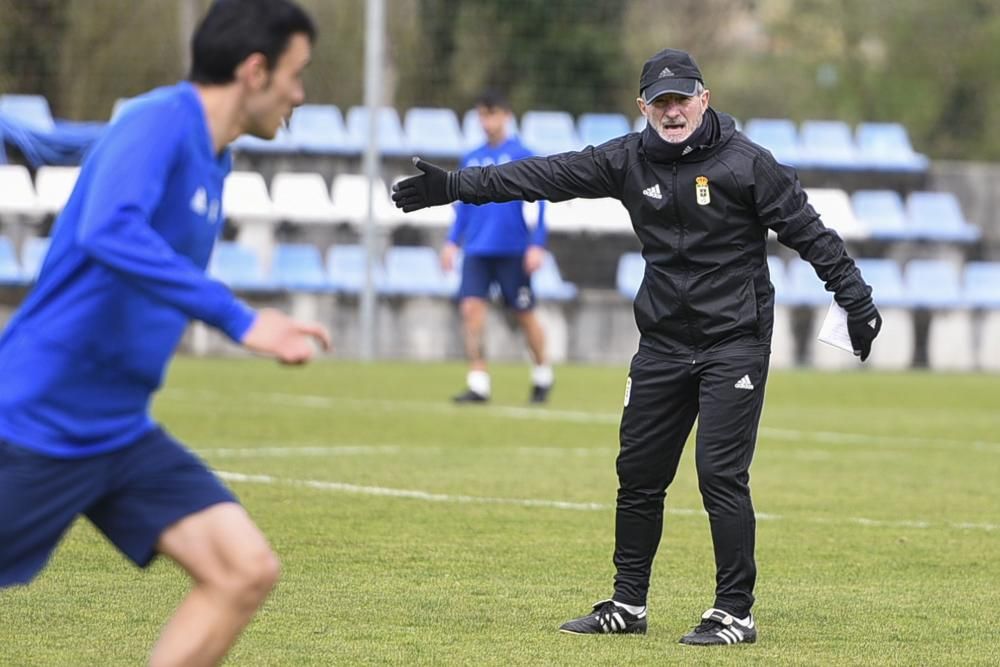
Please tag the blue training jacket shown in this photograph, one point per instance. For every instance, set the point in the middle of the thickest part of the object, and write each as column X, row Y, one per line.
column 125, row 272
column 497, row 230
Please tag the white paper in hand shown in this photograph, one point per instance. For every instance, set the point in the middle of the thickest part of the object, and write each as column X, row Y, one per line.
column 834, row 330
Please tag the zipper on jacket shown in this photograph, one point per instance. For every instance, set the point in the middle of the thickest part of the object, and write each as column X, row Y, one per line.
column 688, row 325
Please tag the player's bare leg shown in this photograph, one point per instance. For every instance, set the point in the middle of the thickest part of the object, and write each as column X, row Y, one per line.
column 234, row 570
column 474, row 324
column 541, row 374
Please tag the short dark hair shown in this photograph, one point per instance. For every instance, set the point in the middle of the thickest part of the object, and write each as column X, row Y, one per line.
column 234, row 29
column 491, row 98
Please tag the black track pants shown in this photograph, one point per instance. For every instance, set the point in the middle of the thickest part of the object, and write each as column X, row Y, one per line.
column 662, row 401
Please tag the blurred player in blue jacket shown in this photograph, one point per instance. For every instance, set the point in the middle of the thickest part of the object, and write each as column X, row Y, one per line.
column 125, row 273
column 500, row 247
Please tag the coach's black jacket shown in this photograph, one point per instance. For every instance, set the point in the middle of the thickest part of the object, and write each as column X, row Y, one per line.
column 702, row 220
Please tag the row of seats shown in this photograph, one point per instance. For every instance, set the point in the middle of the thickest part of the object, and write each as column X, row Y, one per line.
column 921, row 283
column 304, row 198
column 437, row 132
column 403, row 271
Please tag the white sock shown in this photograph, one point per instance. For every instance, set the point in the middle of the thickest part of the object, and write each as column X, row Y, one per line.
column 631, row 608
column 542, row 376
column 479, row 382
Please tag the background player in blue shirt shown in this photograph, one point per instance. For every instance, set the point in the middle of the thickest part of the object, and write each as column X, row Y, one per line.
column 499, row 247
column 125, row 273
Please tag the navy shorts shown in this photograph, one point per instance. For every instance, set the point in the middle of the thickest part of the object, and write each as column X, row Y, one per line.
column 479, row 273
column 131, row 494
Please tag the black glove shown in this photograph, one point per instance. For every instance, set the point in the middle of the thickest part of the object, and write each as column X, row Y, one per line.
column 432, row 188
column 863, row 328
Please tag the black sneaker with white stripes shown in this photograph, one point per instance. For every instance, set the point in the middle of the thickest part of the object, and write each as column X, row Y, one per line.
column 606, row 618
column 718, row 628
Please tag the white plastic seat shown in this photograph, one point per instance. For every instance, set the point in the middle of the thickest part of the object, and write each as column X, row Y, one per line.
column 301, row 198
column 349, row 194
column 54, row 185
column 836, row 212
column 17, row 193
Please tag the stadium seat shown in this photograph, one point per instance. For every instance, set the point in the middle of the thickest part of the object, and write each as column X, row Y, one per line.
column 319, row 128
column 834, row 208
column 54, row 185
column 389, row 131
column 10, row 271
column 345, row 269
column 828, row 144
column 893, row 350
column 936, row 284
column 933, row 283
column 17, row 193
column 238, row 266
column 777, row 135
column 882, row 213
column 298, row 267
column 433, row 132
column 981, row 282
column 639, row 124
column 548, row 284
column 301, row 198
column 596, row 128
column 30, row 110
column 549, row 132
column 245, row 197
column 886, row 280
column 33, row 255
column 349, row 194
column 804, row 286
column 631, row 269
column 887, row 146
column 782, row 338
column 415, row 271
column 282, row 143
column 472, row 130
column 937, row 216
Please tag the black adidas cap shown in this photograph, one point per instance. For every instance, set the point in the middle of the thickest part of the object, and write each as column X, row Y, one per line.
column 669, row 71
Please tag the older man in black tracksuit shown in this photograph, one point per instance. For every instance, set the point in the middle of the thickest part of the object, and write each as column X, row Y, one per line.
column 702, row 198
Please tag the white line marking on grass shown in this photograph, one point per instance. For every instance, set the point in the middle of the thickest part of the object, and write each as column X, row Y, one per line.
column 566, row 505
column 584, row 417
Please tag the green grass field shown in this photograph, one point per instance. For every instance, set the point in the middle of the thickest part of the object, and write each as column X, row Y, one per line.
column 415, row 532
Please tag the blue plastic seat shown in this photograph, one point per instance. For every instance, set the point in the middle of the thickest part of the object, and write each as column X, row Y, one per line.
column 10, row 271
column 937, row 216
column 33, row 256
column 777, row 135
column 415, row 270
column 298, row 267
column 345, row 269
column 886, row 279
column 828, row 144
column 887, row 146
column 319, row 128
column 549, row 132
column 933, row 283
column 804, row 286
column 882, row 212
column 238, row 266
column 472, row 130
column 981, row 284
column 433, row 132
column 31, row 111
column 388, row 129
column 631, row 269
column 547, row 282
column 596, row 128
